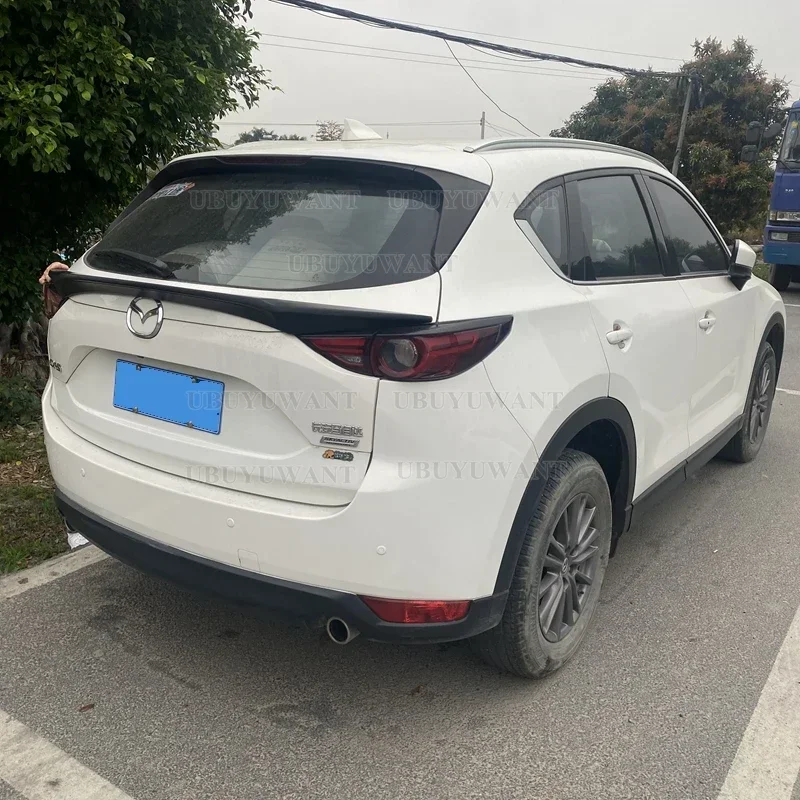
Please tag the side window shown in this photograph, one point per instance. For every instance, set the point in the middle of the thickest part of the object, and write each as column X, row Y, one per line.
column 616, row 230
column 691, row 245
column 547, row 216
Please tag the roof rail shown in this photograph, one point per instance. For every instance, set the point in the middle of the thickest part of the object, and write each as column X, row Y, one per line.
column 519, row 143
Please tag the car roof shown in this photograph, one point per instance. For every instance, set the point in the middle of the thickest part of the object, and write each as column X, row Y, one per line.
column 470, row 158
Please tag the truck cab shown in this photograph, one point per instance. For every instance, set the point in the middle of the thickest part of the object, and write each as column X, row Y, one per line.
column 782, row 234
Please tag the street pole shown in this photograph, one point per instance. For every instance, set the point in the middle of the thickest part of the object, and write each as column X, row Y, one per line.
column 483, row 124
column 684, row 119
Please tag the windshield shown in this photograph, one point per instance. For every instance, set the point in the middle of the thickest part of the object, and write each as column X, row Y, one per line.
column 790, row 149
column 288, row 228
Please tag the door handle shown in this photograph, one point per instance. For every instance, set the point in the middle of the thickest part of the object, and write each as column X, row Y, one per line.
column 707, row 323
column 619, row 335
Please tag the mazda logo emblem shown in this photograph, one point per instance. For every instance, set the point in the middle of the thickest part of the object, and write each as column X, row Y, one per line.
column 146, row 329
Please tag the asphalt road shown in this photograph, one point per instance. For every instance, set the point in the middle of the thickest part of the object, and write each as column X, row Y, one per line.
column 174, row 697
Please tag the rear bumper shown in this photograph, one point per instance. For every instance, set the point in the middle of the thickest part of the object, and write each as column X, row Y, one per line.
column 408, row 535
column 312, row 603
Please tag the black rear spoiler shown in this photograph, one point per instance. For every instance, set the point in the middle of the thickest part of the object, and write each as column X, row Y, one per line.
column 288, row 316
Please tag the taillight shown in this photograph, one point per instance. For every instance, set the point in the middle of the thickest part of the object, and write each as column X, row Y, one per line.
column 416, row 612
column 432, row 354
column 347, row 351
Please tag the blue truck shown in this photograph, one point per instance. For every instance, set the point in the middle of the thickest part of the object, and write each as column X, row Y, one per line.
column 782, row 234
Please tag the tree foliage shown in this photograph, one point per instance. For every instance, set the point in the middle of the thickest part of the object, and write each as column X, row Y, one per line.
column 93, row 95
column 329, row 131
column 263, row 135
column 730, row 89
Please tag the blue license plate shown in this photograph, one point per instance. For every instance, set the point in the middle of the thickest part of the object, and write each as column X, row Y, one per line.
column 170, row 396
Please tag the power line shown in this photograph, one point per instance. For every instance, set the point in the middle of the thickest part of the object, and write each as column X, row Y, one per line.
column 448, row 37
column 501, row 131
column 550, row 73
column 549, row 44
column 504, row 131
column 431, row 55
column 485, row 94
column 377, row 124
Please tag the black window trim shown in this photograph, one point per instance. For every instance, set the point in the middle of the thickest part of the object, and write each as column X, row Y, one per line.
column 520, row 216
column 576, row 244
column 655, row 176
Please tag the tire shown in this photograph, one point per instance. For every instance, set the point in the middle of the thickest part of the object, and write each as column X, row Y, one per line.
column 745, row 445
column 520, row 644
column 780, row 276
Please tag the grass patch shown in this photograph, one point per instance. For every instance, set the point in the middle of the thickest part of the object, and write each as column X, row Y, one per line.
column 19, row 401
column 31, row 529
column 761, row 270
column 9, row 452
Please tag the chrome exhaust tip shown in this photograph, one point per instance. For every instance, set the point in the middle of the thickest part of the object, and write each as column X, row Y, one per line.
column 339, row 631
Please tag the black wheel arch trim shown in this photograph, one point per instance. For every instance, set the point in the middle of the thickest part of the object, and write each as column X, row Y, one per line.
column 601, row 409
column 776, row 320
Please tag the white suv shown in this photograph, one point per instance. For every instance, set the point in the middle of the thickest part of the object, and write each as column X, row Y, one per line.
column 416, row 391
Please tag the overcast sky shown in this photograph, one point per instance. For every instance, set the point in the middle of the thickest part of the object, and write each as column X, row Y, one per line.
column 391, row 89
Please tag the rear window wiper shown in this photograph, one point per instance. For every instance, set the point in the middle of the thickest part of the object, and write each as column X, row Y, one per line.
column 148, row 265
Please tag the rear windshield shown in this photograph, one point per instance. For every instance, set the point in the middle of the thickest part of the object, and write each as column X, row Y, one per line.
column 295, row 228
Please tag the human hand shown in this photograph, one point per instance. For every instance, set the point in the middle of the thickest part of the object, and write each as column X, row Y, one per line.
column 57, row 266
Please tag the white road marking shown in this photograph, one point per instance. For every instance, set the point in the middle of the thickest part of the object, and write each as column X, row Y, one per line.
column 792, row 305
column 19, row 582
column 767, row 762
column 38, row 770
column 789, row 391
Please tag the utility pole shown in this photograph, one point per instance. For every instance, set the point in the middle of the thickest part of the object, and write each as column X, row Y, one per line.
column 483, row 124
column 682, row 133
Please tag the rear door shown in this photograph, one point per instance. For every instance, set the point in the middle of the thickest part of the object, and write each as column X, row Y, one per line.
column 724, row 316
column 644, row 320
column 180, row 375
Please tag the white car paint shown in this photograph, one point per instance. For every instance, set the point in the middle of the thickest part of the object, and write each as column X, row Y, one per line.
column 426, row 508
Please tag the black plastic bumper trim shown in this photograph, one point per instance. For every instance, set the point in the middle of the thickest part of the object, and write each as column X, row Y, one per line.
column 247, row 588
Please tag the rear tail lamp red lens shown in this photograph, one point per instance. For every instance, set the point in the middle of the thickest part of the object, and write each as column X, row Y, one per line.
column 432, row 354
column 418, row 612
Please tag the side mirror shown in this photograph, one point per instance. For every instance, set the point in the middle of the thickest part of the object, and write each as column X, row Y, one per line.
column 743, row 259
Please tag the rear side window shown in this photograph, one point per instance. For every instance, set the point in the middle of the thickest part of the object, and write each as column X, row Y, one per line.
column 546, row 214
column 616, row 231
column 288, row 228
column 691, row 246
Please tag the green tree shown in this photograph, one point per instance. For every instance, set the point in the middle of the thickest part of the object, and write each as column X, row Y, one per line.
column 329, row 131
column 730, row 90
column 263, row 135
column 93, row 95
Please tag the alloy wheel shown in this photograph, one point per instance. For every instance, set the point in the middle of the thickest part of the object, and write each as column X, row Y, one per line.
column 569, row 568
column 759, row 410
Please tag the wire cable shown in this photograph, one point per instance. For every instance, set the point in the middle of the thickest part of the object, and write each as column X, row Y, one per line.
column 485, row 94
column 550, row 44
column 555, row 71
column 503, row 131
column 259, row 123
column 435, row 63
column 309, row 5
